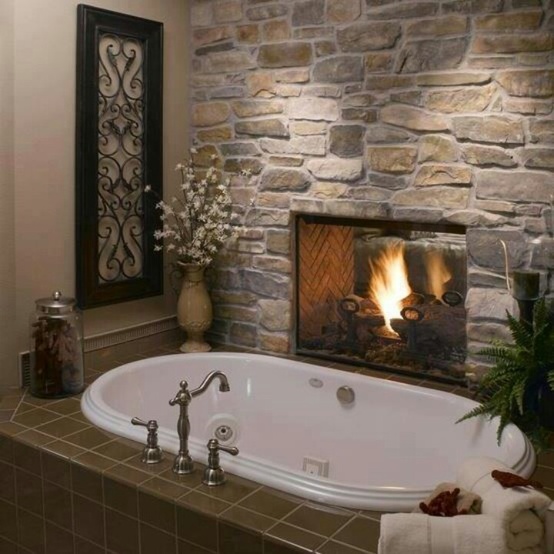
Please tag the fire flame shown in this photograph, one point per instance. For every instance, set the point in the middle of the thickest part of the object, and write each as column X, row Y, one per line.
column 389, row 281
column 437, row 273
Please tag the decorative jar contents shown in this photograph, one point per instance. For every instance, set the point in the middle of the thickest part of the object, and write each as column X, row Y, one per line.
column 56, row 348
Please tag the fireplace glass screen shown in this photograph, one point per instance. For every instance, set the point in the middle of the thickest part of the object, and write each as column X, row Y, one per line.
column 387, row 295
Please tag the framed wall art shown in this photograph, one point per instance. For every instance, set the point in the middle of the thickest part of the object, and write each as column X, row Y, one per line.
column 118, row 152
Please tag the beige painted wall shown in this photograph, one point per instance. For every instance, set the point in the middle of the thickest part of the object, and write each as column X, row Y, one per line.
column 8, row 358
column 44, row 39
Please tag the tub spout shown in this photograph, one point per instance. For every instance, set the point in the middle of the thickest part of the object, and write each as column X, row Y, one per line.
column 223, row 383
column 183, row 463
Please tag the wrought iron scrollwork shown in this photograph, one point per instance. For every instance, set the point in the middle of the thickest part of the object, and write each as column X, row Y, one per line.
column 120, row 158
column 119, row 137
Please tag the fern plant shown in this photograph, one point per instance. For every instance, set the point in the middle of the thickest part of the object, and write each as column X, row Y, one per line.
column 514, row 388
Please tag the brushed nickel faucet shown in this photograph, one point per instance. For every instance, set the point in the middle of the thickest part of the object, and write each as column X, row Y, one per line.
column 183, row 463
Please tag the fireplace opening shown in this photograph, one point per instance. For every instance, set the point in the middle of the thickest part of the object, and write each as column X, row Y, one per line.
column 382, row 294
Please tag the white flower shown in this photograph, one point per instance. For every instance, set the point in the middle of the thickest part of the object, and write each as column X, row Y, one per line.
column 147, row 188
column 196, row 222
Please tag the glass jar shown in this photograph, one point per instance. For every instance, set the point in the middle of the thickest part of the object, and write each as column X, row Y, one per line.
column 56, row 348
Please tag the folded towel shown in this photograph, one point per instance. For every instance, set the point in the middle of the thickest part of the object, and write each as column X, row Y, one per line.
column 423, row 534
column 466, row 500
column 521, row 510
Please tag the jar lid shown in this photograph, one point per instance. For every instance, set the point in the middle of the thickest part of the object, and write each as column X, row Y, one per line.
column 56, row 304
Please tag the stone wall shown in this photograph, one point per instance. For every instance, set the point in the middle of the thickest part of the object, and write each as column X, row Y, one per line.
column 433, row 111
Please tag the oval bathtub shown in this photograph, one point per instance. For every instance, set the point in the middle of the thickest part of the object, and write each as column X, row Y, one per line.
column 385, row 451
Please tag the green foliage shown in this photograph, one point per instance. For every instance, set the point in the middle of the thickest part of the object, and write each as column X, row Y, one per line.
column 511, row 389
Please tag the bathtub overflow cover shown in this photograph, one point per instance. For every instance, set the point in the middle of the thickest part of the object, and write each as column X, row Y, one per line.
column 345, row 395
column 223, row 433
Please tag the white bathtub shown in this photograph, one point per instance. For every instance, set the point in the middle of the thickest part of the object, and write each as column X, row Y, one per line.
column 386, row 451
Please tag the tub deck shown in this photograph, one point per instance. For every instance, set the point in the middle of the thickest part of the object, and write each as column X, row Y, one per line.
column 51, row 456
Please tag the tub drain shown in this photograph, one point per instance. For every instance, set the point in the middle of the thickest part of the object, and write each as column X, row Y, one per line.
column 224, row 433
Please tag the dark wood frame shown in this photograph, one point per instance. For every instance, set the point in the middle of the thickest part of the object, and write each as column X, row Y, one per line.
column 92, row 21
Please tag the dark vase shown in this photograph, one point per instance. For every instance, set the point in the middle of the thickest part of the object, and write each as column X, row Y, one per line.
column 546, row 406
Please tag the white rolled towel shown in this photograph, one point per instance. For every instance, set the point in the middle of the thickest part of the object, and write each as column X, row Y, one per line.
column 521, row 509
column 423, row 534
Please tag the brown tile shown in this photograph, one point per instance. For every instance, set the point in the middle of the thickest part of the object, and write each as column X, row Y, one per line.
column 28, row 490
column 31, row 531
column 34, row 418
column 156, row 511
column 361, row 532
column 545, row 475
column 94, row 461
column 10, row 429
column 83, row 546
column 271, row 547
column 89, row 438
column 203, row 503
column 118, row 450
column 372, row 514
column 7, row 482
column 273, row 504
column 66, row 406
column 88, row 519
column 80, row 417
column 33, row 437
column 332, row 547
column 238, row 541
column 121, row 497
column 62, row 427
column 122, row 533
column 126, row 474
column 11, row 390
column 9, row 402
column 6, row 415
column 154, row 541
column 379, row 374
column 36, row 401
column 87, row 481
column 58, row 541
column 8, row 520
column 163, row 488
column 6, row 449
column 288, row 536
column 8, row 547
column 546, row 459
column 234, row 490
column 56, row 470
column 64, row 449
column 184, row 547
column 27, row 457
column 405, row 379
column 196, row 528
column 435, row 385
column 57, row 505
column 319, row 519
column 25, row 407
column 245, row 519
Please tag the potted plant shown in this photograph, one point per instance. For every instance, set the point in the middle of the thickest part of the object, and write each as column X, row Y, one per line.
column 519, row 388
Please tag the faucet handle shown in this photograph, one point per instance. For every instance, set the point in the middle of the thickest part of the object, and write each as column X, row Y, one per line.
column 214, row 474
column 151, row 453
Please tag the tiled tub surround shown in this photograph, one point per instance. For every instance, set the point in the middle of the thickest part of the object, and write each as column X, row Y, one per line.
column 283, row 411
column 427, row 111
column 68, row 487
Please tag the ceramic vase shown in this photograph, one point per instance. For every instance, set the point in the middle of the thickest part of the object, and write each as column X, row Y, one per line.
column 194, row 308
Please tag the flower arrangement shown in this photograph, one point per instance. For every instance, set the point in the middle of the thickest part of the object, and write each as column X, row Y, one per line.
column 197, row 224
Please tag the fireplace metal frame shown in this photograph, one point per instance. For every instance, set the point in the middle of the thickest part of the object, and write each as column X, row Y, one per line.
column 296, row 217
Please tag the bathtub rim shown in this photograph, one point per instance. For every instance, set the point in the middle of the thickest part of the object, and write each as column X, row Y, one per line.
column 383, row 498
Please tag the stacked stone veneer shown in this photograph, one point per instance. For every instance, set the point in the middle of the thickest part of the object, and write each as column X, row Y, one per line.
column 428, row 111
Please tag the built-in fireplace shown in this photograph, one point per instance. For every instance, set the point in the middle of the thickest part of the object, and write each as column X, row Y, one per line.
column 387, row 295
